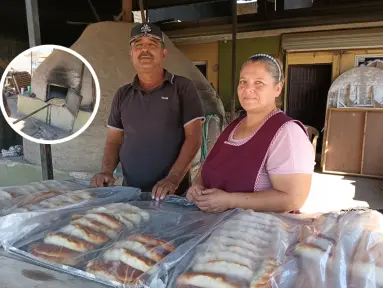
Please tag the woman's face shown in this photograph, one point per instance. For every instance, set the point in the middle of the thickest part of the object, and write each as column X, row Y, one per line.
column 257, row 89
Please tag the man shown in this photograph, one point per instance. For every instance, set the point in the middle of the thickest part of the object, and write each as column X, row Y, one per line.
column 155, row 124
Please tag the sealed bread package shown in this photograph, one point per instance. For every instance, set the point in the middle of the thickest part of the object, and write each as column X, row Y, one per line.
column 60, row 199
column 344, row 250
column 117, row 244
column 243, row 251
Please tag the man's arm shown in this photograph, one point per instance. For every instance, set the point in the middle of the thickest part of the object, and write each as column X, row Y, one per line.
column 289, row 193
column 190, row 147
column 112, row 150
column 110, row 160
column 112, row 146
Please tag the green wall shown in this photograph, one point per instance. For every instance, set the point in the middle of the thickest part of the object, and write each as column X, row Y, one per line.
column 245, row 49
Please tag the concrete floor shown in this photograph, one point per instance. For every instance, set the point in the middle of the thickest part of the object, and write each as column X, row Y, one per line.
column 32, row 127
column 335, row 192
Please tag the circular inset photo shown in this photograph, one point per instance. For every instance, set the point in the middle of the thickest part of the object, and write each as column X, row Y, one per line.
column 50, row 93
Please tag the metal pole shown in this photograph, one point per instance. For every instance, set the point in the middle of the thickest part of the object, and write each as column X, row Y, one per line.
column 31, row 7
column 233, row 59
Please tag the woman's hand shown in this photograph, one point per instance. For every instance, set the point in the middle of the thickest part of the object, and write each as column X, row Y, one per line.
column 194, row 191
column 213, row 200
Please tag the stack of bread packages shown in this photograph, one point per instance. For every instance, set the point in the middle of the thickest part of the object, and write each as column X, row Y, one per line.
column 51, row 200
column 244, row 251
column 106, row 242
column 367, row 267
column 41, row 190
column 327, row 256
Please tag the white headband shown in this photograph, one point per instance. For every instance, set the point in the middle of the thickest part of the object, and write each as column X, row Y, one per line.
column 270, row 58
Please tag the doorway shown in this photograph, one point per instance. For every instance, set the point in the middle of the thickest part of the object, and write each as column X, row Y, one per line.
column 308, row 86
column 202, row 67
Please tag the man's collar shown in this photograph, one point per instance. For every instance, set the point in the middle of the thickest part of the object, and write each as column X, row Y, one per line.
column 168, row 77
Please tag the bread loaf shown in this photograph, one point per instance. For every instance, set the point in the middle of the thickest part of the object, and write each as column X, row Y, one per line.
column 129, row 258
column 264, row 273
column 70, row 242
column 205, row 280
column 226, row 268
column 149, row 240
column 56, row 254
column 141, row 249
column 105, row 219
column 85, row 233
column 114, row 270
column 97, row 226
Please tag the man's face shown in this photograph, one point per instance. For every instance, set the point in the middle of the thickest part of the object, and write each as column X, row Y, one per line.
column 147, row 53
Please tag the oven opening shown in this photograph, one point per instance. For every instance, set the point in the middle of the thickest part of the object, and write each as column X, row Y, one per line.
column 56, row 91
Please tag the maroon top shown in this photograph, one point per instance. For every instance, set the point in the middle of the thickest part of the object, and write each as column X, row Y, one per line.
column 234, row 168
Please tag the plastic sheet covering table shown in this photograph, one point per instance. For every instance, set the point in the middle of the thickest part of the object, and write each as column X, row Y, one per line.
column 18, row 274
column 141, row 244
column 250, row 249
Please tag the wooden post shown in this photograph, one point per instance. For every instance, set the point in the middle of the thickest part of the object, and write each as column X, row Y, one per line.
column 280, row 5
column 31, row 8
column 46, row 161
column 233, row 59
column 262, row 7
column 127, row 6
column 143, row 18
column 363, row 143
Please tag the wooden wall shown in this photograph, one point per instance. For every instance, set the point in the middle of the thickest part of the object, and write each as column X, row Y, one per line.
column 354, row 143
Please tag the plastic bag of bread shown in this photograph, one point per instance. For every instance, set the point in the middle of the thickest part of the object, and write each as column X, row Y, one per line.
column 17, row 218
column 367, row 265
column 116, row 244
column 329, row 257
column 46, row 188
column 243, row 251
column 54, row 199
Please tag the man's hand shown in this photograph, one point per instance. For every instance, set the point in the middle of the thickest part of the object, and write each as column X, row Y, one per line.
column 164, row 187
column 194, row 191
column 213, row 200
column 99, row 180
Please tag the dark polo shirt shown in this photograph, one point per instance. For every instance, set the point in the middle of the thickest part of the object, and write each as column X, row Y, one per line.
column 153, row 125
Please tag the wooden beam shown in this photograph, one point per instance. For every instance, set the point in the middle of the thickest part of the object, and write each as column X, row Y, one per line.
column 296, row 18
column 154, row 4
column 127, row 9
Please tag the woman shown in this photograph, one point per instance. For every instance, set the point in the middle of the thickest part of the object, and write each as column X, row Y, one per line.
column 264, row 151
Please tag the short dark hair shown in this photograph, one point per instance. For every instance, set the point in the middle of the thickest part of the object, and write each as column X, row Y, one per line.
column 273, row 66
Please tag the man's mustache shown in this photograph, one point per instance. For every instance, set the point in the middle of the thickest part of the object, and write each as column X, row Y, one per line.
column 145, row 54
